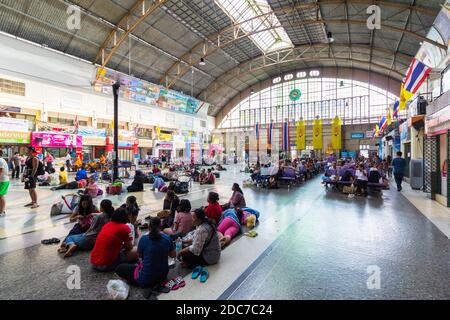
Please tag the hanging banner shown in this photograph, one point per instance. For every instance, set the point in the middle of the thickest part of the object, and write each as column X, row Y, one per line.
column 301, row 135
column 336, row 138
column 317, row 134
column 286, row 144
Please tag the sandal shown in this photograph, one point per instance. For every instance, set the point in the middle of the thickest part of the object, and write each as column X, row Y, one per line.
column 196, row 272
column 171, row 285
column 180, row 282
column 34, row 206
column 251, row 234
column 46, row 241
column 204, row 275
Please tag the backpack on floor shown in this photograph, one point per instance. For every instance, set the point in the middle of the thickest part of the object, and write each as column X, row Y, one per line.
column 181, row 187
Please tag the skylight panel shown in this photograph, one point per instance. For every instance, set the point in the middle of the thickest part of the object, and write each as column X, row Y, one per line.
column 241, row 11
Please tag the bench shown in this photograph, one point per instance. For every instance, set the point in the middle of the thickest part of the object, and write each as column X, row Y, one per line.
column 377, row 187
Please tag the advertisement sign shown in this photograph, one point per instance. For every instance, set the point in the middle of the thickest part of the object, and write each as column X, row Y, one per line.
column 357, row 135
column 91, row 132
column 369, row 134
column 13, row 124
column 14, row 137
column 56, row 140
column 94, row 141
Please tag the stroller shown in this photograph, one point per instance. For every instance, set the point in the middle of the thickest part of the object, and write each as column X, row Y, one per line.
column 182, row 184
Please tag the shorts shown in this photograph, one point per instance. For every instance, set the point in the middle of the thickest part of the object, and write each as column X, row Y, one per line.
column 30, row 183
column 4, row 186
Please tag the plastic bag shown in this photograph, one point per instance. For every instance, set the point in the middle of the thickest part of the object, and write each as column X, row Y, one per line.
column 118, row 290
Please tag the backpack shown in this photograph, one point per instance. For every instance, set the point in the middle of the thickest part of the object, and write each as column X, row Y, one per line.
column 40, row 169
column 181, row 187
column 374, row 176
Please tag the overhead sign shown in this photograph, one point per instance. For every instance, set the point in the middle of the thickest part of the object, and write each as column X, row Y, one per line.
column 14, row 137
column 13, row 124
column 357, row 135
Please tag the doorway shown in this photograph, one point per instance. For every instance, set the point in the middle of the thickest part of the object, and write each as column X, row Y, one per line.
column 407, row 156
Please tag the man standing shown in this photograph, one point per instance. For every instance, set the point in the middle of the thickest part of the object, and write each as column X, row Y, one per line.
column 399, row 165
column 4, row 183
column 16, row 166
column 68, row 161
column 30, row 176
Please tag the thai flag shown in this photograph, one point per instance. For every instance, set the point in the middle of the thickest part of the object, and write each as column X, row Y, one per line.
column 396, row 109
column 269, row 133
column 257, row 125
column 286, row 141
column 415, row 76
column 382, row 125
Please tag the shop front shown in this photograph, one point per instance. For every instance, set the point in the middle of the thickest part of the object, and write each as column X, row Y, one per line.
column 163, row 148
column 58, row 144
column 145, row 148
column 14, row 136
column 128, row 149
column 94, row 142
column 179, row 147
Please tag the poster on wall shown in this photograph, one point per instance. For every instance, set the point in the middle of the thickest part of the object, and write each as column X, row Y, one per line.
column 144, row 92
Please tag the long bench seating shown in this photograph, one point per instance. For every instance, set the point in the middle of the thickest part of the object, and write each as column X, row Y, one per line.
column 370, row 185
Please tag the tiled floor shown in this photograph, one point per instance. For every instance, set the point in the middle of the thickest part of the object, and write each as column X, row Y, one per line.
column 312, row 244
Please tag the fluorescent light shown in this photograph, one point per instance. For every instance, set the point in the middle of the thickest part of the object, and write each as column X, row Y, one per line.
column 240, row 11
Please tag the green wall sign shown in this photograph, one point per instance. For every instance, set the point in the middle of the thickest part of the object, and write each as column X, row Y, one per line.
column 295, row 94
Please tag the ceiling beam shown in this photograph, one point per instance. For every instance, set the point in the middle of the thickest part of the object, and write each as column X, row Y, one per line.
column 213, row 39
column 237, row 34
column 297, row 54
column 139, row 9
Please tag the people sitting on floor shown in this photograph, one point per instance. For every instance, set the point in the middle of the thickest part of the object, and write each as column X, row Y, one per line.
column 153, row 250
column 132, row 208
column 182, row 223
column 374, row 174
column 331, row 174
column 91, row 188
column 138, row 182
column 209, row 178
column 114, row 244
column 214, row 210
column 201, row 176
column 83, row 215
column 81, row 174
column 78, row 163
column 203, row 246
column 171, row 203
column 50, row 178
column 62, row 176
column 219, row 167
column 237, row 199
column 171, row 174
column 156, row 170
column 86, row 240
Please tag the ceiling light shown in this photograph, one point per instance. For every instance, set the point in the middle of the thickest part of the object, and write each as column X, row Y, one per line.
column 202, row 62
column 330, row 37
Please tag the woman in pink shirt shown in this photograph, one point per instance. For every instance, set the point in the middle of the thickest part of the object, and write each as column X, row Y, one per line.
column 183, row 220
column 91, row 187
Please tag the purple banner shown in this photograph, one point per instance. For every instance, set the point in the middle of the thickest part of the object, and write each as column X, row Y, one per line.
column 55, row 140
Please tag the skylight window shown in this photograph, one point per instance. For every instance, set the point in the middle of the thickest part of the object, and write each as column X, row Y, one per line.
column 245, row 13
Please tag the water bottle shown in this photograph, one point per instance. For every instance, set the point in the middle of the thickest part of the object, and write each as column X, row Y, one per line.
column 178, row 245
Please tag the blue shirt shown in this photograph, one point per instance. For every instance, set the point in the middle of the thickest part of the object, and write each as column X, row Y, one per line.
column 399, row 165
column 154, row 266
column 81, row 174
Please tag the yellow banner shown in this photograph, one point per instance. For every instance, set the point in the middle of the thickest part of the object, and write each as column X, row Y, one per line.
column 317, row 134
column 301, row 135
column 405, row 95
column 336, row 138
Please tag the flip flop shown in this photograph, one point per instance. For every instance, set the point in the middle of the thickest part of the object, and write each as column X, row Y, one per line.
column 55, row 240
column 251, row 234
column 196, row 272
column 171, row 284
column 46, row 241
column 204, row 275
column 28, row 205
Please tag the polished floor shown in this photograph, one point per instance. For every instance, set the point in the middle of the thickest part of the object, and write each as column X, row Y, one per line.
column 311, row 244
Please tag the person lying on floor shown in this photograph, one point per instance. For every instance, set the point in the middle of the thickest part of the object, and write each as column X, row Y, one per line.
column 71, row 185
column 182, row 223
column 138, row 182
column 153, row 250
column 203, row 247
column 159, row 184
column 114, row 244
column 209, row 178
column 237, row 199
column 83, row 215
column 231, row 222
column 86, row 241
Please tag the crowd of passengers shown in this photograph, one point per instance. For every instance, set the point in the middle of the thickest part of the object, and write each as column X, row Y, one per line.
column 113, row 237
column 270, row 174
column 359, row 172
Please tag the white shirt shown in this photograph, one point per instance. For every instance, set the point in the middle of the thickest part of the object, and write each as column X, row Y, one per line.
column 68, row 157
column 4, row 176
column 360, row 175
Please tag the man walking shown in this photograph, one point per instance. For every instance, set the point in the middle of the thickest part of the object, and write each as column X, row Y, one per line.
column 4, row 183
column 399, row 165
column 15, row 166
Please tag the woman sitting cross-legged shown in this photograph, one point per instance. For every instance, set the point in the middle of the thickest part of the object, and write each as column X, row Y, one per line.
column 152, row 268
column 114, row 244
column 237, row 199
column 182, row 223
column 213, row 211
column 83, row 215
column 138, row 182
column 91, row 188
column 86, row 241
column 203, row 244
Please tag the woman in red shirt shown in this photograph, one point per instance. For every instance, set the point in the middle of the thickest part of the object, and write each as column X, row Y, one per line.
column 213, row 211
column 114, row 244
